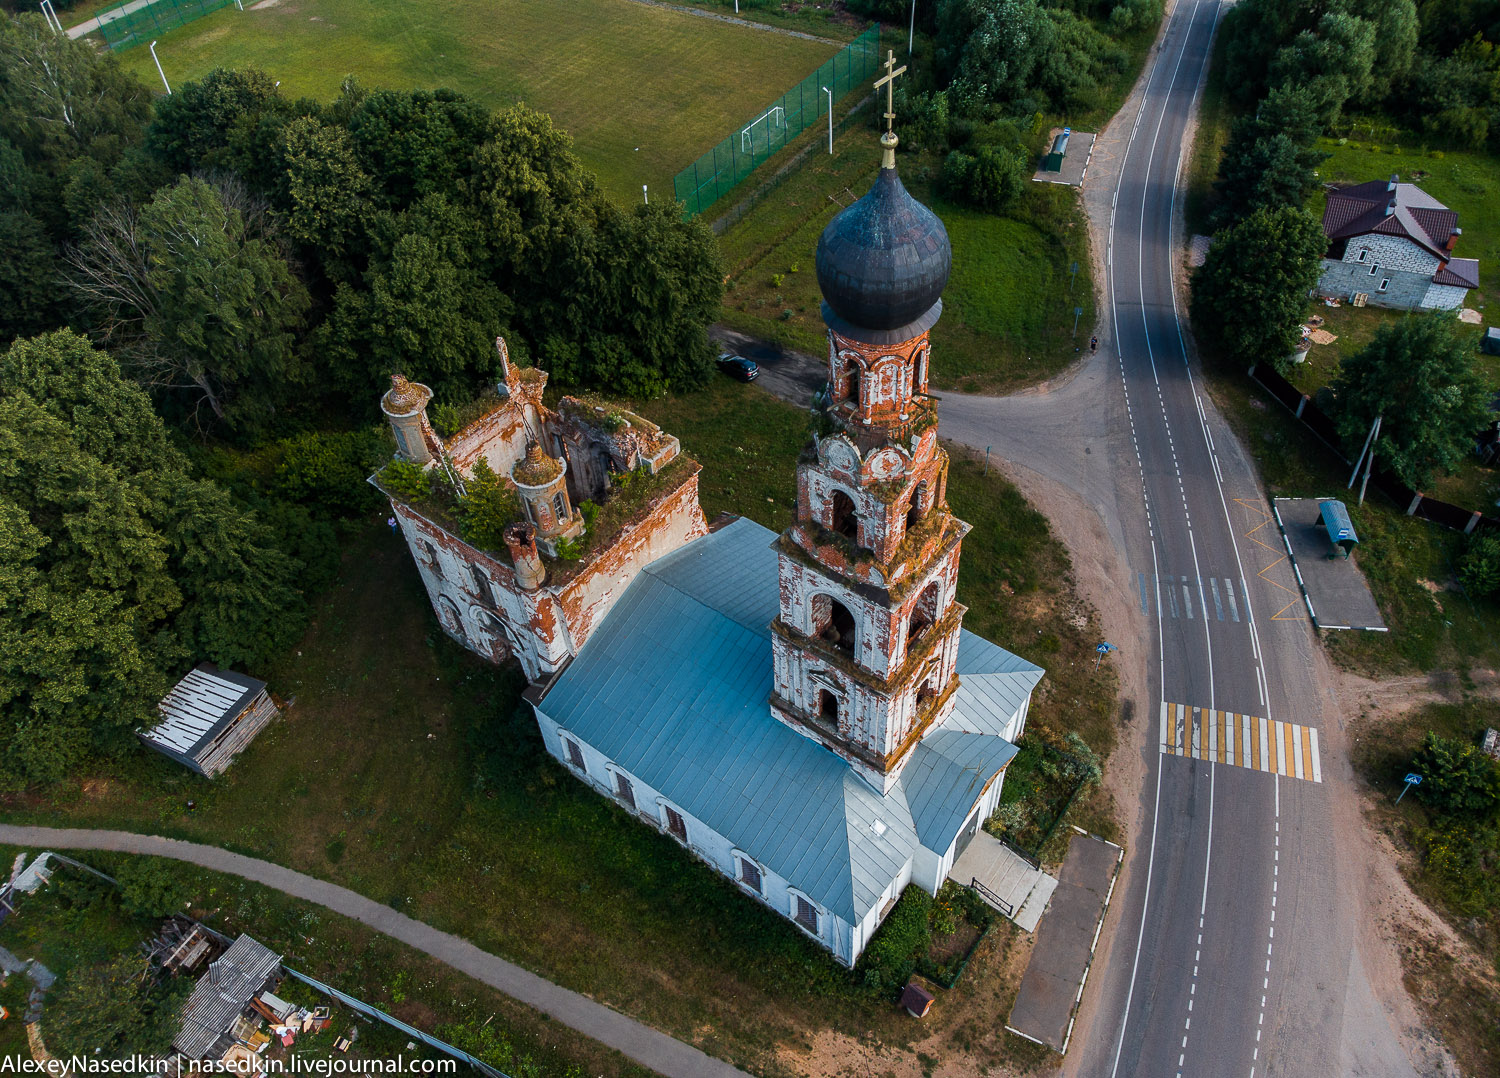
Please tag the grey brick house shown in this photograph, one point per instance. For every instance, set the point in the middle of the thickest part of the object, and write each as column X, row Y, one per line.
column 1393, row 243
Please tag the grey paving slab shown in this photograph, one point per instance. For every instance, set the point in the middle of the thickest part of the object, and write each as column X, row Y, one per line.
column 1065, row 941
column 1334, row 588
column 641, row 1043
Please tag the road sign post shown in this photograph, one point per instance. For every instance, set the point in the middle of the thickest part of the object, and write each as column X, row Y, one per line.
column 1102, row 650
column 1077, row 314
column 1412, row 779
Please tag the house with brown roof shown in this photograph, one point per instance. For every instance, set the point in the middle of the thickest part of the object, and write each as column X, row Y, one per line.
column 1393, row 243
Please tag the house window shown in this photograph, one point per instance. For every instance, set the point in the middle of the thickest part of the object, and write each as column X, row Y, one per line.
column 1374, row 269
column 1385, row 283
column 750, row 874
column 575, row 755
column 805, row 914
column 625, row 790
column 1362, row 252
column 675, row 823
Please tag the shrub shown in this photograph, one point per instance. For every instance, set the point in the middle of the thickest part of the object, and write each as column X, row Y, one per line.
column 403, row 478
column 327, row 470
column 149, row 887
column 1458, row 779
column 1479, row 569
column 888, row 961
column 488, row 508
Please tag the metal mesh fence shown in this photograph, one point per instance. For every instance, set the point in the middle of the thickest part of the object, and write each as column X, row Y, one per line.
column 714, row 174
column 129, row 24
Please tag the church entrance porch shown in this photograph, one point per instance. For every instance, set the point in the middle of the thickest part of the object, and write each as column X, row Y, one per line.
column 1004, row 879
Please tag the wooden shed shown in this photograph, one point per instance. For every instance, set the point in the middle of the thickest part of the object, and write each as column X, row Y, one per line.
column 209, row 717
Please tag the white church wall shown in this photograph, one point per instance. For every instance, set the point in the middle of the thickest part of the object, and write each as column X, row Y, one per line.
column 836, row 934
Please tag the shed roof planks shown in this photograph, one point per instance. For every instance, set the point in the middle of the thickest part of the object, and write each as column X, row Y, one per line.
column 209, row 717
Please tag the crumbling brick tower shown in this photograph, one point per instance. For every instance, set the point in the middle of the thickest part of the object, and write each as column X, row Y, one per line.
column 866, row 643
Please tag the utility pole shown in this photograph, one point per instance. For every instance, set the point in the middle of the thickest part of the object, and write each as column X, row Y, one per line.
column 1370, row 460
column 911, row 33
column 50, row 14
column 645, row 195
column 1361, row 458
column 159, row 71
column 829, row 92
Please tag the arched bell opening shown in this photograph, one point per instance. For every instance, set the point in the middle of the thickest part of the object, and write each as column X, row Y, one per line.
column 842, row 516
column 851, row 383
column 828, row 707
column 916, row 506
column 833, row 624
column 923, row 614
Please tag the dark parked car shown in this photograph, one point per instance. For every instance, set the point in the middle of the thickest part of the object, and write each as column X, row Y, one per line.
column 739, row 367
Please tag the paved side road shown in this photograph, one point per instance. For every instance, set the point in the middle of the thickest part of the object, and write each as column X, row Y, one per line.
column 641, row 1043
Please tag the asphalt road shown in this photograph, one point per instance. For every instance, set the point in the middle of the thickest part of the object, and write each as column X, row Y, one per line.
column 1235, row 952
column 1236, row 948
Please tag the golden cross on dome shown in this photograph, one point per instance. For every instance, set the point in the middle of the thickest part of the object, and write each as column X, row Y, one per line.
column 889, row 81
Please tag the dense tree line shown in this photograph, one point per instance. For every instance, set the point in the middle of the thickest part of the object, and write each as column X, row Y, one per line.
column 996, row 66
column 238, row 273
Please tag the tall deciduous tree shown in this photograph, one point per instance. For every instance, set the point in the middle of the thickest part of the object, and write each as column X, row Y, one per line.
column 1419, row 376
column 197, row 300
column 117, row 567
column 1252, row 291
column 114, row 1009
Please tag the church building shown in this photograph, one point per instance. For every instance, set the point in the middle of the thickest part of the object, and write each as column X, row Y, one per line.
column 805, row 712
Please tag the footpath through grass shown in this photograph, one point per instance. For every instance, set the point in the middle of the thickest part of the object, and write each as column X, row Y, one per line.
column 79, row 921
column 1008, row 308
column 409, row 770
column 642, row 89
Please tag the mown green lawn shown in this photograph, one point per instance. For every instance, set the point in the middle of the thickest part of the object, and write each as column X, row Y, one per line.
column 643, row 90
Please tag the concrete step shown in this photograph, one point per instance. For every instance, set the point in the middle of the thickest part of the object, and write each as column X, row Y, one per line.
column 1031, row 910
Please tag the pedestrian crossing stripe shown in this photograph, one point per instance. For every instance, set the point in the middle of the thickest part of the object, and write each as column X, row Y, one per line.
column 1226, row 737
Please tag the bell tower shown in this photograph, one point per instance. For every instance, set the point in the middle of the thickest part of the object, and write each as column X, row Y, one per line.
column 866, row 643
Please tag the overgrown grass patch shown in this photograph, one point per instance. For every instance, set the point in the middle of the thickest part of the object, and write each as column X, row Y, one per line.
column 1008, row 310
column 1451, row 864
column 642, row 89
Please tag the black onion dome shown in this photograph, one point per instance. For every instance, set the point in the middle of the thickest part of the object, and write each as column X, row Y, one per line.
column 882, row 262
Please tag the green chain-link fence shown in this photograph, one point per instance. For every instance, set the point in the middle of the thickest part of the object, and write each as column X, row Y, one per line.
column 120, row 29
column 710, row 177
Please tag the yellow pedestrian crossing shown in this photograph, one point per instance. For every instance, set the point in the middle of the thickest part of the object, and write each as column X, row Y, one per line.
column 1227, row 737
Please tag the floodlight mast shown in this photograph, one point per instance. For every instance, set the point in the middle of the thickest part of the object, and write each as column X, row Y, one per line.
column 159, row 71
column 829, row 92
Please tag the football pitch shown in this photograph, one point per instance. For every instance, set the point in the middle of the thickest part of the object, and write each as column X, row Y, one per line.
column 643, row 90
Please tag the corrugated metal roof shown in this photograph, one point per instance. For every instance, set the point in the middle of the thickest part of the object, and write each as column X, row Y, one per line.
column 1458, row 271
column 199, row 707
column 1364, row 208
column 221, row 994
column 674, row 688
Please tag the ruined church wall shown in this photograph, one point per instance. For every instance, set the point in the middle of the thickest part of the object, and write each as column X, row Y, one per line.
column 499, row 436
column 676, row 521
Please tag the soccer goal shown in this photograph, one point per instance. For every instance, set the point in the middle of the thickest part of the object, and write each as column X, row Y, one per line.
column 773, row 117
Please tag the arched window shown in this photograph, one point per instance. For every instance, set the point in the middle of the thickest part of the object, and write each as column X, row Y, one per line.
column 559, row 507
column 828, row 707
column 832, row 623
column 449, row 616
column 842, row 517
column 851, row 383
column 915, row 509
column 923, row 614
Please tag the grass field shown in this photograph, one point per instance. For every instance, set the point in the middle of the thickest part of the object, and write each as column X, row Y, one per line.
column 409, row 771
column 643, row 90
column 1007, row 311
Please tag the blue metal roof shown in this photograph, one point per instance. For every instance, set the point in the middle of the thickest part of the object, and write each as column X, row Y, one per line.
column 1336, row 520
column 673, row 687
